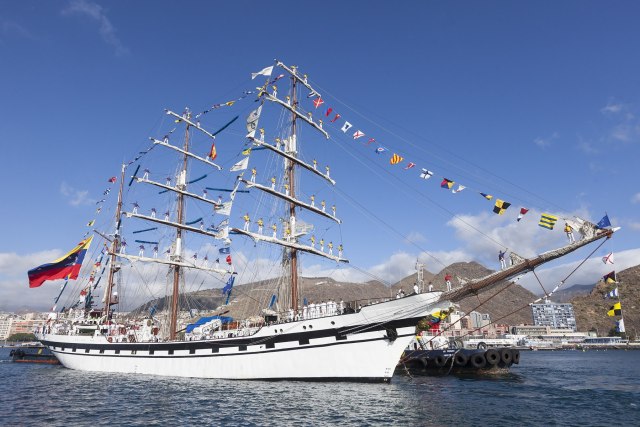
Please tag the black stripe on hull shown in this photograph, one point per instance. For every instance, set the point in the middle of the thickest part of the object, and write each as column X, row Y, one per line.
column 237, row 342
column 239, row 353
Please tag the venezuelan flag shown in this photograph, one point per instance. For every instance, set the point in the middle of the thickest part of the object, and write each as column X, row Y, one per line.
column 68, row 265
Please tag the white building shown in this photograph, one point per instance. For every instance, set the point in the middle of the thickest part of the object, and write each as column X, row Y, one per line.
column 554, row 315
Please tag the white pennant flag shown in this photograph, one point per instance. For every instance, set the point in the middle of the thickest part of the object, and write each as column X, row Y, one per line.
column 264, row 72
column 620, row 326
column 252, row 121
column 346, row 126
column 608, row 259
column 241, row 165
column 426, row 174
column 459, row 189
column 358, row 134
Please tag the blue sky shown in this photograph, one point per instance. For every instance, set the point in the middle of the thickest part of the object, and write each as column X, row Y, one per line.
column 535, row 103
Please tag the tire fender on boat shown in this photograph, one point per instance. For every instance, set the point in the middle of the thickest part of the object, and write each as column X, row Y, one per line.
column 461, row 359
column 440, row 361
column 493, row 356
column 506, row 356
column 516, row 356
column 482, row 345
column 478, row 360
column 424, row 361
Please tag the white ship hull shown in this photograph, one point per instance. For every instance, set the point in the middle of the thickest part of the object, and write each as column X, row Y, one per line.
column 363, row 346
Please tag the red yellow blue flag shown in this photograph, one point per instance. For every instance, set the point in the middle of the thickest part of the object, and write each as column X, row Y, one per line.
column 67, row 266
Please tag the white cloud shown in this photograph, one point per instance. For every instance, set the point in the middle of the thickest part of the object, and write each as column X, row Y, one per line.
column 96, row 12
column 415, row 237
column 74, row 196
column 626, row 127
column 13, row 29
column 613, row 108
column 634, row 225
column 635, row 198
column 545, row 142
column 587, row 147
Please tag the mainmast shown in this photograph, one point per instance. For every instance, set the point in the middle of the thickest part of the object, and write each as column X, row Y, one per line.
column 177, row 255
column 292, row 206
column 115, row 247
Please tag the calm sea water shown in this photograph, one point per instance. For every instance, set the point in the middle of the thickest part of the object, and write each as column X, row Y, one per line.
column 547, row 388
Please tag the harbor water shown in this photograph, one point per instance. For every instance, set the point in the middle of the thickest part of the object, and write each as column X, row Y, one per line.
column 547, row 388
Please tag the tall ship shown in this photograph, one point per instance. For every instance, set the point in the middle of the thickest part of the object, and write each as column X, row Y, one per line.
column 170, row 230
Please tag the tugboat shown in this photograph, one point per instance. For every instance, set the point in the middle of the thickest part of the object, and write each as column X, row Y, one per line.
column 436, row 355
column 33, row 353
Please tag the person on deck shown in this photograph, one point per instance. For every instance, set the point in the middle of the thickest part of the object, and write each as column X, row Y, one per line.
column 313, row 200
column 141, row 253
column 260, row 224
column 569, row 230
column 322, row 245
column 313, row 242
column 273, row 182
column 323, row 204
column 247, row 221
column 274, row 227
column 254, row 172
column 153, row 212
column 330, row 248
column 340, row 251
column 503, row 263
column 447, row 281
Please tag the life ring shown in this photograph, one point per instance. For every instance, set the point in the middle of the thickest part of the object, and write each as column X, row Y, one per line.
column 461, row 359
column 493, row 356
column 478, row 361
column 440, row 361
column 516, row 356
column 110, row 339
column 506, row 356
column 482, row 345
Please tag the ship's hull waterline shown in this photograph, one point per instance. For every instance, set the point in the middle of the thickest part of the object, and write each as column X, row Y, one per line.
column 363, row 346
